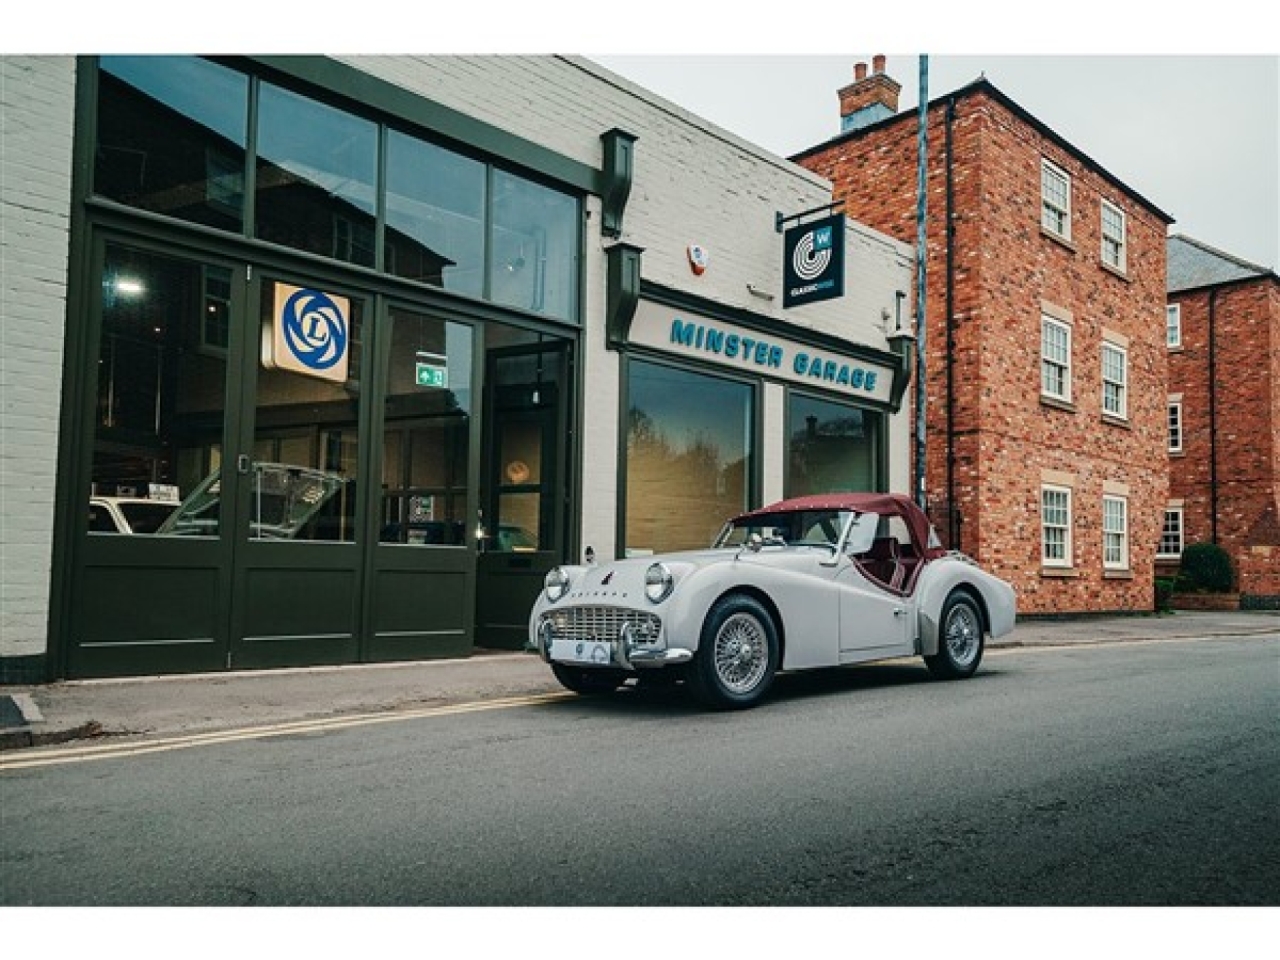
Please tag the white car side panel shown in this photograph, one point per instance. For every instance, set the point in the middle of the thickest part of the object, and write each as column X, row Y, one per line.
column 946, row 574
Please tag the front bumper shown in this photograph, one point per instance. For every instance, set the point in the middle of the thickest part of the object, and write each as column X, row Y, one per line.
column 615, row 638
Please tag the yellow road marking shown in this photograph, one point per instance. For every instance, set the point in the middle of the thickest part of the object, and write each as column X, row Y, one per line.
column 107, row 751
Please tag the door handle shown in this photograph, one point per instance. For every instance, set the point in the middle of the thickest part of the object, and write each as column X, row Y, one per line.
column 899, row 612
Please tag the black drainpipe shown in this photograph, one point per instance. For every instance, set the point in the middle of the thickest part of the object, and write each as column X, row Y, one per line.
column 953, row 512
column 1213, row 416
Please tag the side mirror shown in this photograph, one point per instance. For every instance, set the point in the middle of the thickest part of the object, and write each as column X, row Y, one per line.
column 755, row 542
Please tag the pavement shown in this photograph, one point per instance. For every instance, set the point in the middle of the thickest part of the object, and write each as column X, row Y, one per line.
column 192, row 704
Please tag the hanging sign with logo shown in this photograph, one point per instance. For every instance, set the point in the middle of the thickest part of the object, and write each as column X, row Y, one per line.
column 813, row 262
column 309, row 333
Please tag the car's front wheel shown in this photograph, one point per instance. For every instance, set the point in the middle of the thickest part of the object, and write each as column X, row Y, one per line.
column 588, row 681
column 737, row 654
column 960, row 642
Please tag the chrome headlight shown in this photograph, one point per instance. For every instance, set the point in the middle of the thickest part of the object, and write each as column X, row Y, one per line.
column 658, row 583
column 556, row 584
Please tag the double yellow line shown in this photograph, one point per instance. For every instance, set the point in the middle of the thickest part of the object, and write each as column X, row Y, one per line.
column 107, row 751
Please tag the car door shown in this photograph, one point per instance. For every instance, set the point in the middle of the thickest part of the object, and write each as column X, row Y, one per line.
column 873, row 621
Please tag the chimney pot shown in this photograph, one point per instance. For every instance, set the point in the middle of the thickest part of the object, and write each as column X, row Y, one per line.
column 859, row 71
column 877, row 63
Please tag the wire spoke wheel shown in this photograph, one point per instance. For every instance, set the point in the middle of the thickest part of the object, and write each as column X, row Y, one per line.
column 738, row 654
column 960, row 641
column 962, row 635
column 741, row 653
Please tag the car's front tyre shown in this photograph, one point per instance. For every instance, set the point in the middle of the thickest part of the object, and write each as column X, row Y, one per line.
column 960, row 641
column 588, row 681
column 737, row 655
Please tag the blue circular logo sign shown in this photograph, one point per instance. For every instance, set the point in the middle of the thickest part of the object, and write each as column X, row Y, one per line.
column 314, row 329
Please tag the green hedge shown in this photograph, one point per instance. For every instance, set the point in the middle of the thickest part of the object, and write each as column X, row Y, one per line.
column 1206, row 568
column 1164, row 595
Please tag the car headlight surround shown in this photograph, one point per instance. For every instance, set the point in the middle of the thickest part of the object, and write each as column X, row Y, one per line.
column 556, row 583
column 658, row 582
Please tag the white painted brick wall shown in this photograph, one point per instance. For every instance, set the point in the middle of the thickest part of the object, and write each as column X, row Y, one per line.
column 37, row 97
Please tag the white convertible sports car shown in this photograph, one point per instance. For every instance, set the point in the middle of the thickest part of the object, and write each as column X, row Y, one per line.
column 817, row 581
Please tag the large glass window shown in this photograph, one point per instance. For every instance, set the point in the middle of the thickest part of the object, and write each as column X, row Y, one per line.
column 171, row 137
column 306, row 437
column 690, row 456
column 834, row 447
column 161, row 390
column 1171, row 533
column 435, row 215
column 427, row 437
column 1114, row 244
column 536, row 233
column 317, row 177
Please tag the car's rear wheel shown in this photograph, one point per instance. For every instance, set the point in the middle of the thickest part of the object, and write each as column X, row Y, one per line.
column 588, row 681
column 960, row 642
column 737, row 655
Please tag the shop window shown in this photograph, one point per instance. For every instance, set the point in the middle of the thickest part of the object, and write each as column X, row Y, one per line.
column 832, row 447
column 171, row 137
column 317, row 177
column 161, row 394
column 435, row 215
column 306, row 416
column 535, row 243
column 689, row 457
column 426, row 449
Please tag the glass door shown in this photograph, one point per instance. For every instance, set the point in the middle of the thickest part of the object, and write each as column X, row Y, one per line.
column 299, row 521
column 521, row 533
column 422, row 594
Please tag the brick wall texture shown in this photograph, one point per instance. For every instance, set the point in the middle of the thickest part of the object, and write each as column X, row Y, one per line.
column 36, row 111
column 1244, row 449
column 1006, row 269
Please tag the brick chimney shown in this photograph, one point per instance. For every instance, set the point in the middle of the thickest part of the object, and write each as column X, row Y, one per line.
column 869, row 99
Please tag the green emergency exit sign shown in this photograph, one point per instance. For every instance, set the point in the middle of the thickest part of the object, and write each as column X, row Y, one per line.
column 431, row 375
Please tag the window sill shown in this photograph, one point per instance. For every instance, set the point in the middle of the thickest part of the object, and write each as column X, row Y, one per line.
column 1177, row 454
column 1115, row 271
column 1115, row 421
column 1059, row 573
column 1058, row 238
column 1117, row 574
column 1176, row 348
column 1057, row 404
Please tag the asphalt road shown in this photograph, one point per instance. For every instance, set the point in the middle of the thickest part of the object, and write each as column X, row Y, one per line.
column 1127, row 774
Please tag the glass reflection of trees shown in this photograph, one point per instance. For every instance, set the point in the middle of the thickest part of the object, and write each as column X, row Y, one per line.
column 688, row 457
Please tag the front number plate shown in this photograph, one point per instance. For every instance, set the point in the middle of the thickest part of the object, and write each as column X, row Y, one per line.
column 597, row 652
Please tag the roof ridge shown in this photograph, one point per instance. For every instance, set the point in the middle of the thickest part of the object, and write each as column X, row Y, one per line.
column 1222, row 254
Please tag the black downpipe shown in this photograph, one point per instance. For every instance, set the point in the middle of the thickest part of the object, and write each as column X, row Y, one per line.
column 953, row 512
column 1213, row 416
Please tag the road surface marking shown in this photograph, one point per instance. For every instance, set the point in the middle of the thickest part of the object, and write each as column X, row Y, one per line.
column 107, row 751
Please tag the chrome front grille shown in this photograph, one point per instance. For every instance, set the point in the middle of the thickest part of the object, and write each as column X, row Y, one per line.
column 602, row 623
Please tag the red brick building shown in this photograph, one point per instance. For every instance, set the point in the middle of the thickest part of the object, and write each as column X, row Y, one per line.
column 1224, row 414
column 1046, row 359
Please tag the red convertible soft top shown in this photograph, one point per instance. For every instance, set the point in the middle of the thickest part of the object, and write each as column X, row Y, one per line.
column 883, row 504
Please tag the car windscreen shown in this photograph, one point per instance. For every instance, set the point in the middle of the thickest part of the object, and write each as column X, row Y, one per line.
column 146, row 517
column 819, row 528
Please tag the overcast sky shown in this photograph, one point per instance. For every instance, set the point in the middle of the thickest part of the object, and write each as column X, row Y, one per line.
column 1181, row 104
column 1198, row 136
